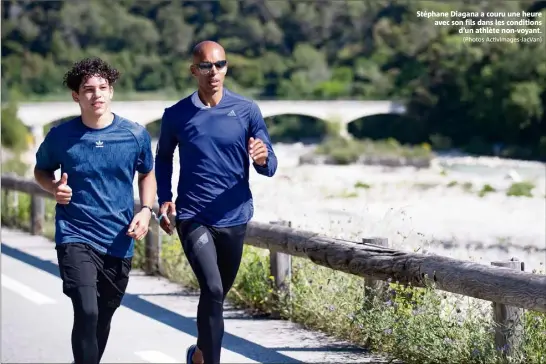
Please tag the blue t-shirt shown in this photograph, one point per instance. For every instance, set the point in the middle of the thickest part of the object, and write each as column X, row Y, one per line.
column 101, row 165
column 213, row 186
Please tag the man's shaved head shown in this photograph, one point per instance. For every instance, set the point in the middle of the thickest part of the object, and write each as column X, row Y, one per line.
column 209, row 66
column 204, row 50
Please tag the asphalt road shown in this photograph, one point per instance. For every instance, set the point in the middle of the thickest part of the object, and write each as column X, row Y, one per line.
column 155, row 324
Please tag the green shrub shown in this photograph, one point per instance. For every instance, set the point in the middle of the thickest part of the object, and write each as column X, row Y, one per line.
column 359, row 184
column 15, row 134
column 16, row 212
column 440, row 142
column 485, row 190
column 520, row 189
column 15, row 165
column 349, row 150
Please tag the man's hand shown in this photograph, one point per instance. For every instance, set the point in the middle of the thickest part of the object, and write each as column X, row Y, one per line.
column 258, row 151
column 139, row 226
column 61, row 191
column 166, row 210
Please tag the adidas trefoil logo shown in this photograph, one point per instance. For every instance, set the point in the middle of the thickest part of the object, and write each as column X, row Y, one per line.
column 231, row 113
column 99, row 144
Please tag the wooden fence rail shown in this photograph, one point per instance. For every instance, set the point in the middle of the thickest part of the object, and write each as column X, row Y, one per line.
column 507, row 288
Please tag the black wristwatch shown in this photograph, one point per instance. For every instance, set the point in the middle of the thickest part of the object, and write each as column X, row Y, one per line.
column 148, row 207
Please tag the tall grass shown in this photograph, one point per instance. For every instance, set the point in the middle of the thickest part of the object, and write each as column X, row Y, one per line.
column 412, row 324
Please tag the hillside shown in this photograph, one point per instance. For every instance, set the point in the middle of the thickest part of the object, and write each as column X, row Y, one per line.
column 475, row 95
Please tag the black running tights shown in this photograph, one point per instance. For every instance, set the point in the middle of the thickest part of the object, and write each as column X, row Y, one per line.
column 91, row 325
column 214, row 255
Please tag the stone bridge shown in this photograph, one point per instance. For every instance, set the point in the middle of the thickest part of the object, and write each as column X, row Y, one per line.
column 36, row 115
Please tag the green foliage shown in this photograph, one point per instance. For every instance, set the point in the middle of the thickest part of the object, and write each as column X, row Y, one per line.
column 16, row 212
column 15, row 135
column 16, row 166
column 535, row 326
column 523, row 189
column 469, row 95
column 16, row 209
column 342, row 151
column 293, row 128
column 346, row 151
column 360, row 184
column 485, row 190
column 440, row 142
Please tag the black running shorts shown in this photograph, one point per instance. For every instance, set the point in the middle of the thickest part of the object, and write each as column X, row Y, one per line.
column 81, row 265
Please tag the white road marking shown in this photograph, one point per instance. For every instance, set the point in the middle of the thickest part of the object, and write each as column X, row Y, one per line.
column 25, row 291
column 153, row 356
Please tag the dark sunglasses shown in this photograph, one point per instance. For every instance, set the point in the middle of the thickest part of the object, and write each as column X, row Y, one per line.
column 207, row 66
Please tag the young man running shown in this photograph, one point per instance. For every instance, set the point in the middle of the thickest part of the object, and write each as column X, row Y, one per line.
column 216, row 130
column 98, row 153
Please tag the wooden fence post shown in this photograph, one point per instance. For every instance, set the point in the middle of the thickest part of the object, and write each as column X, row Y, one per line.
column 152, row 246
column 37, row 215
column 6, row 215
column 508, row 319
column 153, row 249
column 280, row 265
column 373, row 285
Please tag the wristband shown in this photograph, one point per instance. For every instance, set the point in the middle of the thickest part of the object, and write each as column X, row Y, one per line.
column 152, row 211
column 147, row 207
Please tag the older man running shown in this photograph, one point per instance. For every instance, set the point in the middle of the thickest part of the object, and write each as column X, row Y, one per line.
column 216, row 130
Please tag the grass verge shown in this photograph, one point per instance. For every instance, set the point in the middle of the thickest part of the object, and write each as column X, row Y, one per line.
column 415, row 325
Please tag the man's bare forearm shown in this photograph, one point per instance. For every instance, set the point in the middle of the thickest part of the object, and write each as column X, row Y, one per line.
column 147, row 188
column 45, row 179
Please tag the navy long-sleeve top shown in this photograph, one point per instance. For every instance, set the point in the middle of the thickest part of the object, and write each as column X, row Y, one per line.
column 213, row 185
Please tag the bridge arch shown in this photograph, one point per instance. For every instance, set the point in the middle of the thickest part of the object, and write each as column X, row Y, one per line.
column 383, row 126
column 292, row 128
column 276, row 113
column 47, row 127
column 153, row 128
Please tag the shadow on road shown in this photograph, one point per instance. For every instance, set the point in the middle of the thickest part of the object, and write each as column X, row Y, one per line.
column 236, row 344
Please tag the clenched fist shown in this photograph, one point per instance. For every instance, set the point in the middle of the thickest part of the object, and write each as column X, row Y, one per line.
column 257, row 151
column 62, row 192
column 167, row 209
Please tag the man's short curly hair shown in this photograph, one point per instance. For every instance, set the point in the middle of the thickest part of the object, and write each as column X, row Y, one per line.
column 82, row 70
